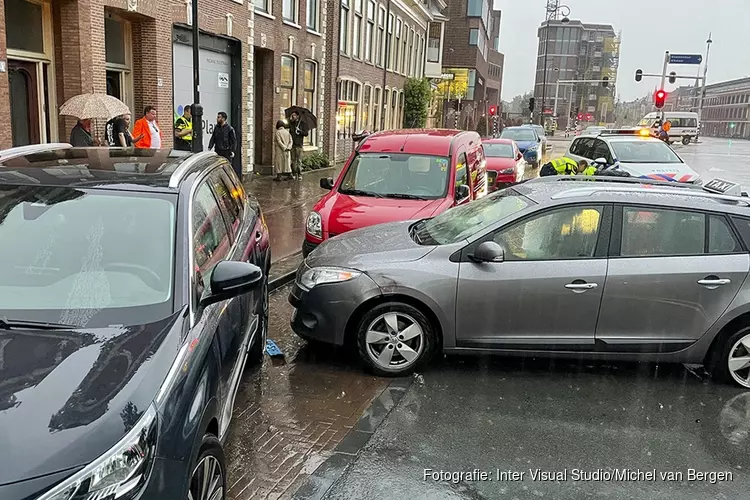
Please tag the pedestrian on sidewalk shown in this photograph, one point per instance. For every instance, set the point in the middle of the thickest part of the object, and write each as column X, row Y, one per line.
column 298, row 130
column 183, row 130
column 80, row 135
column 224, row 140
column 283, row 145
column 117, row 132
column 148, row 130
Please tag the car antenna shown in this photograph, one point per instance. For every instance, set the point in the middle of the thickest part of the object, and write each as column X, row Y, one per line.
column 404, row 144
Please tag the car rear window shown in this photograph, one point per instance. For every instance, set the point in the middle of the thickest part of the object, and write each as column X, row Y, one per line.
column 76, row 256
column 495, row 150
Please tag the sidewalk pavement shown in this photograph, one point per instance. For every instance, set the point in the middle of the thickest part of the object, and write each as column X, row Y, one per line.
column 285, row 206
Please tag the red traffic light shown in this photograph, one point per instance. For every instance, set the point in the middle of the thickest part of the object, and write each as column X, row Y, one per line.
column 493, row 109
column 580, row 116
column 660, row 98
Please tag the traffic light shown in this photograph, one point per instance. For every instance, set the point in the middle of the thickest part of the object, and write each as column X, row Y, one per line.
column 660, row 98
column 672, row 77
column 605, row 83
column 532, row 102
column 493, row 110
column 638, row 75
column 580, row 116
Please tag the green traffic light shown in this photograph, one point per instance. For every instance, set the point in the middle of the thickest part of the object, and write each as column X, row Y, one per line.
column 731, row 125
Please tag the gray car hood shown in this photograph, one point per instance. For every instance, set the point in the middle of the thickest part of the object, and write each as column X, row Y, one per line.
column 360, row 248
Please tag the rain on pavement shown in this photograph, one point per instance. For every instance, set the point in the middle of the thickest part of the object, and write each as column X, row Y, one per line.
column 490, row 414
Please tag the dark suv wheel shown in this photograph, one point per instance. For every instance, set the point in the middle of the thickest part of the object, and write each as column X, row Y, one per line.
column 208, row 480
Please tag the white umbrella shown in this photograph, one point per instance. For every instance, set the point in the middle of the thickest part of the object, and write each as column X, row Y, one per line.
column 85, row 106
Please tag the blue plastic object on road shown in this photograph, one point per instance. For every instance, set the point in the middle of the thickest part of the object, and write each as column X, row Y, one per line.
column 272, row 349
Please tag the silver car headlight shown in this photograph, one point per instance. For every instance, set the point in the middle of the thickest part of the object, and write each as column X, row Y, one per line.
column 315, row 225
column 321, row 275
column 121, row 473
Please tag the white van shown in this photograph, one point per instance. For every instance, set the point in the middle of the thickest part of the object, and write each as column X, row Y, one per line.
column 684, row 124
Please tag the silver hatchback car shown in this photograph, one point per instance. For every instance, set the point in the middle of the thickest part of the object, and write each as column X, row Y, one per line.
column 602, row 268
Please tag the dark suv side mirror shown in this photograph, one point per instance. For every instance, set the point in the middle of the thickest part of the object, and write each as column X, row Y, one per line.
column 489, row 251
column 231, row 279
column 326, row 182
column 462, row 192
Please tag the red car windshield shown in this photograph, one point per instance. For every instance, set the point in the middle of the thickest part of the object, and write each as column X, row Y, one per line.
column 397, row 175
column 497, row 150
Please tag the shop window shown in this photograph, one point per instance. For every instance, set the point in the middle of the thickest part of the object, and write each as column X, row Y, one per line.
column 348, row 104
column 311, row 73
column 24, row 25
column 287, row 84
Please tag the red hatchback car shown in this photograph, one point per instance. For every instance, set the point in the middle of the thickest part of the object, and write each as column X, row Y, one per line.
column 505, row 164
column 399, row 175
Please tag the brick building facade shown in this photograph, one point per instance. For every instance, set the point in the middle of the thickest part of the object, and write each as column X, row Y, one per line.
column 257, row 58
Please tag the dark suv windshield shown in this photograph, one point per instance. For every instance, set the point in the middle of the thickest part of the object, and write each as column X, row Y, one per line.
column 467, row 220
column 397, row 175
column 85, row 257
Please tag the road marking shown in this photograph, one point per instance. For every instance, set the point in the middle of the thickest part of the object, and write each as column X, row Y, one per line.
column 714, row 169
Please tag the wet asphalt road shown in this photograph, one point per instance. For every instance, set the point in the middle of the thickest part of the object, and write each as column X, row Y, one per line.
column 518, row 415
column 723, row 158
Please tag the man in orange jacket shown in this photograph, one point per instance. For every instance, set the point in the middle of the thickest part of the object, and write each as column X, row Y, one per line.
column 146, row 132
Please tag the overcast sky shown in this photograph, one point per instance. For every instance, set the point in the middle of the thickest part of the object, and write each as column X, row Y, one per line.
column 683, row 30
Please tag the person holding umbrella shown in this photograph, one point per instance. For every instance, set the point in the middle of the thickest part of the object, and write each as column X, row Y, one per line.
column 301, row 121
column 87, row 107
column 80, row 135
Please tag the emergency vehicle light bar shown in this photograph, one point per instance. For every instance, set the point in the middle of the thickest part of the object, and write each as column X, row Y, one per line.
column 642, row 132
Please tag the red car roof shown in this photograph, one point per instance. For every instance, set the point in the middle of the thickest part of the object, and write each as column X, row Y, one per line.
column 436, row 142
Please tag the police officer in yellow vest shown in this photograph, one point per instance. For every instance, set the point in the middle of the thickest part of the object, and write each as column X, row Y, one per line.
column 183, row 130
column 566, row 166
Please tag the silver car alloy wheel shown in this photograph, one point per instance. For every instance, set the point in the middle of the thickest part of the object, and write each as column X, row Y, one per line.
column 394, row 341
column 739, row 361
column 207, row 482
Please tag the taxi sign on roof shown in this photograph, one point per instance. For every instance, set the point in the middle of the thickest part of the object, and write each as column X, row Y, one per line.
column 723, row 187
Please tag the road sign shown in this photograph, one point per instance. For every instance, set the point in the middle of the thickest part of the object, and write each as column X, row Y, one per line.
column 685, row 58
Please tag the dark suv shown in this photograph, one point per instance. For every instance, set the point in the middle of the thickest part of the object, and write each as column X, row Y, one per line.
column 133, row 291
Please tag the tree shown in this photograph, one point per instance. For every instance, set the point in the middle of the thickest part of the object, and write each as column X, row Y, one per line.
column 417, row 94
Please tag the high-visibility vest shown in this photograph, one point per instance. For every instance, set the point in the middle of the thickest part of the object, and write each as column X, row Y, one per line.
column 564, row 166
column 182, row 123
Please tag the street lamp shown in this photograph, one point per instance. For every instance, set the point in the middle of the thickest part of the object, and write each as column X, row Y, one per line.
column 705, row 72
column 554, row 8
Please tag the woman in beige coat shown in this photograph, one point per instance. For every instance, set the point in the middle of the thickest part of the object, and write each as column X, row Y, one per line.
column 283, row 145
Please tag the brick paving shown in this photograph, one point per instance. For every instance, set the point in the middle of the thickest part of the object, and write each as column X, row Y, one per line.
column 290, row 415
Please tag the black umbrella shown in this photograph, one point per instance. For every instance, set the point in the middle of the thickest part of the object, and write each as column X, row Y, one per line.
column 305, row 115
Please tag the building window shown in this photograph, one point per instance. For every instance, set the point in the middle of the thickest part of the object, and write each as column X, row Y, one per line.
column 370, row 31
column 346, row 117
column 308, row 101
column 376, row 110
column 394, row 114
column 312, row 14
column 289, row 10
column 385, row 117
column 118, row 58
column 433, row 42
column 380, row 44
column 344, row 27
column 366, row 95
column 357, row 30
column 288, row 79
column 24, row 22
column 420, row 57
column 263, row 6
column 400, row 110
column 396, row 47
column 404, row 45
column 474, row 8
column 474, row 37
column 389, row 44
column 410, row 54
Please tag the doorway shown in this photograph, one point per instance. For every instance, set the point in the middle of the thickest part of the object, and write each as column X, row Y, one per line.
column 263, row 99
column 24, row 103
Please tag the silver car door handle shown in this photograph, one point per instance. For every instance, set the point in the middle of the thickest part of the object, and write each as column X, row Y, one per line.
column 581, row 286
column 717, row 282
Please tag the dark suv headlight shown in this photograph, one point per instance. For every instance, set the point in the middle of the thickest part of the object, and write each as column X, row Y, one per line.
column 120, row 473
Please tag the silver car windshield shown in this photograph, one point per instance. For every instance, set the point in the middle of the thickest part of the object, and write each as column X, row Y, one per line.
column 397, row 175
column 467, row 220
column 641, row 151
column 77, row 254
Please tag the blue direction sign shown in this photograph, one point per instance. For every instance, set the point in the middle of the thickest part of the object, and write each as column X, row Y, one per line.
column 685, row 58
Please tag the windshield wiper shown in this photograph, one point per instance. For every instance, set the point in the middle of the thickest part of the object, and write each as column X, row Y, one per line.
column 405, row 196
column 12, row 324
column 360, row 192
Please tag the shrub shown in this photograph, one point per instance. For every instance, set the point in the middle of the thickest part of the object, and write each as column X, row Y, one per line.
column 315, row 161
column 417, row 94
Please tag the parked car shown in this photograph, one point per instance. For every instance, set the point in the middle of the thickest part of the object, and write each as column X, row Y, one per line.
column 528, row 141
column 542, row 133
column 505, row 164
column 399, row 175
column 632, row 152
column 134, row 291
column 584, row 267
